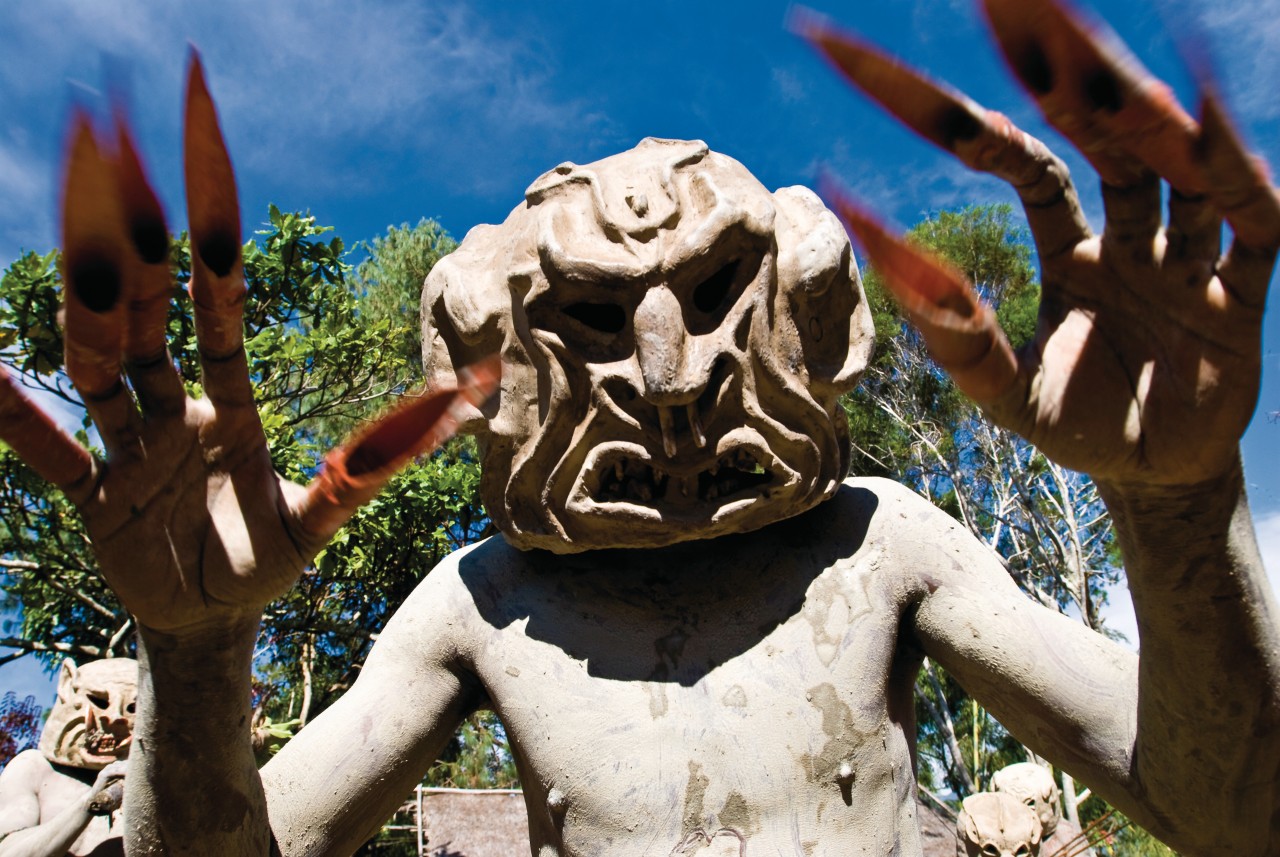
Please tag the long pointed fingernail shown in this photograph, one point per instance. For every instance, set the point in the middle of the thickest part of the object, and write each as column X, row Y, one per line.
column 89, row 213
column 145, row 217
column 212, row 201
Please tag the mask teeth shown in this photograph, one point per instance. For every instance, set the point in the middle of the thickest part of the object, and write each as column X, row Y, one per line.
column 667, row 422
column 695, row 425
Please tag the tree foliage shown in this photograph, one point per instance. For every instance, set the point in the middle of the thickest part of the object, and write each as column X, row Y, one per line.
column 390, row 279
column 20, row 724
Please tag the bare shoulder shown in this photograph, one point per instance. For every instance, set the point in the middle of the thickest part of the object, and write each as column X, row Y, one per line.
column 927, row 546
column 29, row 767
column 28, row 760
column 893, row 505
column 440, row 622
column 20, row 785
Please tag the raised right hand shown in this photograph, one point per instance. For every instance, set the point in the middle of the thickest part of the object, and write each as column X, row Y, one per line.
column 107, row 790
column 190, row 524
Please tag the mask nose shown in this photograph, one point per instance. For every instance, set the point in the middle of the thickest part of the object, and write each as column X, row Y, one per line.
column 662, row 350
column 115, row 718
column 675, row 367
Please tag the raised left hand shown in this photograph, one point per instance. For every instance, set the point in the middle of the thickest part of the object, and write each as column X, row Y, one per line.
column 1147, row 357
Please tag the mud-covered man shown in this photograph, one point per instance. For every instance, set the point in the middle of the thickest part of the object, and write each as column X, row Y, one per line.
column 699, row 638
column 64, row 797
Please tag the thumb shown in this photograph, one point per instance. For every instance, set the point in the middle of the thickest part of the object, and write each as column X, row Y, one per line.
column 355, row 472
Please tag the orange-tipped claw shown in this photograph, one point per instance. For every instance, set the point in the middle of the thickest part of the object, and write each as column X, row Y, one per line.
column 213, row 212
column 981, row 139
column 355, row 472
column 93, row 269
column 1097, row 94
column 960, row 330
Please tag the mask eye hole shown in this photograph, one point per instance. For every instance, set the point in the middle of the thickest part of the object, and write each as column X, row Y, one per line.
column 605, row 318
column 98, row 701
column 990, row 850
column 1031, row 802
column 1023, row 851
column 712, row 291
column 131, row 707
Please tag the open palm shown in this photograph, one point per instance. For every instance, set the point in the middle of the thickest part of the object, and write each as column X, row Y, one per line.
column 189, row 522
column 1146, row 361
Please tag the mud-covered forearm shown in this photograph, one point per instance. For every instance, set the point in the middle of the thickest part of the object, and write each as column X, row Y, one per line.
column 1207, row 748
column 193, row 787
column 54, row 838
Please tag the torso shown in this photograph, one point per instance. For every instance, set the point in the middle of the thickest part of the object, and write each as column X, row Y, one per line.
column 60, row 786
column 747, row 695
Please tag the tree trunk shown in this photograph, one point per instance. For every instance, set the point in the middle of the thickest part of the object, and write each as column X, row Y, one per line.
column 308, row 659
column 942, row 717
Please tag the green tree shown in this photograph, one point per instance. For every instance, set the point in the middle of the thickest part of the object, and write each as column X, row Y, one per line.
column 390, row 279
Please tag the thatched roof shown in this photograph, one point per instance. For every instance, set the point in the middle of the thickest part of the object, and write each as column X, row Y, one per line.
column 475, row 823
column 937, row 832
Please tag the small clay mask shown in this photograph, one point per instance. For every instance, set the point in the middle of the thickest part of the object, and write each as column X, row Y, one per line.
column 998, row 825
column 91, row 723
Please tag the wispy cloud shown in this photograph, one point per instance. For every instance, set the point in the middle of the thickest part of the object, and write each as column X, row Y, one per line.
column 26, row 218
column 334, row 96
column 788, row 85
column 1244, row 44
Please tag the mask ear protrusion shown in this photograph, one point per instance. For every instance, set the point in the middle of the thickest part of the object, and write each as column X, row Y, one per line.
column 67, row 675
column 466, row 312
column 818, row 275
column 970, row 835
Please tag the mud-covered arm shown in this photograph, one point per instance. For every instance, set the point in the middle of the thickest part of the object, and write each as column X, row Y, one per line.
column 190, row 525
column 1143, row 372
column 1183, row 740
column 333, row 785
column 22, row 833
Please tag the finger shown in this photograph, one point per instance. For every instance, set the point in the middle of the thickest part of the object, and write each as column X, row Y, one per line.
column 961, row 332
column 1244, row 276
column 354, row 473
column 1194, row 233
column 150, row 370
column 1240, row 188
column 149, row 239
column 44, row 447
column 1097, row 94
column 217, row 283
column 91, row 261
column 94, row 271
column 981, row 139
column 1133, row 218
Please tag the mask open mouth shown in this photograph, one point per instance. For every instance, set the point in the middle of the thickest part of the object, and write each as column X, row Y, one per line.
column 105, row 744
column 628, row 479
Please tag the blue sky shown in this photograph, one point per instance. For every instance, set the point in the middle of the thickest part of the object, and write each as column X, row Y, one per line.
column 371, row 114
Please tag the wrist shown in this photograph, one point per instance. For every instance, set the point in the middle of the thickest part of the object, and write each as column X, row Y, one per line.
column 217, row 632
column 1189, row 552
column 1160, row 521
column 1162, row 498
column 197, row 680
